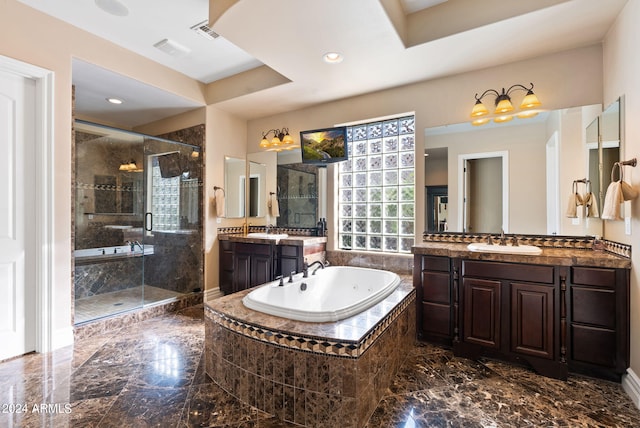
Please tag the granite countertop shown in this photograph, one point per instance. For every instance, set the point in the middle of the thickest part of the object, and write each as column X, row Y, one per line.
column 549, row 256
column 297, row 240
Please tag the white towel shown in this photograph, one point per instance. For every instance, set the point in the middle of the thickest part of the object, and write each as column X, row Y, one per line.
column 219, row 198
column 590, row 205
column 628, row 192
column 274, row 206
column 575, row 200
column 612, row 201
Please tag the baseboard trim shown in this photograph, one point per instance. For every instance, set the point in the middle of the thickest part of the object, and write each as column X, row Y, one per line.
column 631, row 385
column 61, row 338
column 212, row 294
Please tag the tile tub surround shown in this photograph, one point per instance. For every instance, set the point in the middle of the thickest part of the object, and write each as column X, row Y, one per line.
column 309, row 374
column 402, row 264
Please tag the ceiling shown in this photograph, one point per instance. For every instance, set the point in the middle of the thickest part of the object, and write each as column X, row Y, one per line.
column 385, row 43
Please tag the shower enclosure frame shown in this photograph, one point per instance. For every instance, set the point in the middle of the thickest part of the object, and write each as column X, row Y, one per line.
column 149, row 249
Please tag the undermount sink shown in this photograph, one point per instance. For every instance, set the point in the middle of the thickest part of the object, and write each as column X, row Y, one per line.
column 504, row 249
column 263, row 235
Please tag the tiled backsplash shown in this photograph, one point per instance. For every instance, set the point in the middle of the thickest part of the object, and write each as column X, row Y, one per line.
column 544, row 241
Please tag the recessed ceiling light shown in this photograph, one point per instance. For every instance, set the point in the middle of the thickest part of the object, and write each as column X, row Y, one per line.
column 113, row 7
column 115, row 100
column 333, row 57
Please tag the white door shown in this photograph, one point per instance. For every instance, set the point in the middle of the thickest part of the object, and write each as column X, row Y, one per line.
column 17, row 228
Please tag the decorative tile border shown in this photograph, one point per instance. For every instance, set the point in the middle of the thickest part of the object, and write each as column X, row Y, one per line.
column 298, row 231
column 545, row 241
column 317, row 345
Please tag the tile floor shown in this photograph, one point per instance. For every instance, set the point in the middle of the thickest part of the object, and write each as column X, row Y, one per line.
column 106, row 304
column 151, row 374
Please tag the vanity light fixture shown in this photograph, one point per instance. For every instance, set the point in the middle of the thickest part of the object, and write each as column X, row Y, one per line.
column 504, row 109
column 128, row 166
column 281, row 140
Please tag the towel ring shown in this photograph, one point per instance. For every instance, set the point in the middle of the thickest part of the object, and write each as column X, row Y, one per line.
column 632, row 162
column 620, row 172
column 216, row 188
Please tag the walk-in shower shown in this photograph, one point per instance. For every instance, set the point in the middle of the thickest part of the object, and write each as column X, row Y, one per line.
column 138, row 229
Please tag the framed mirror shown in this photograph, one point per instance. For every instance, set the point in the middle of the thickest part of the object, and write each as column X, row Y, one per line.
column 545, row 155
column 235, row 174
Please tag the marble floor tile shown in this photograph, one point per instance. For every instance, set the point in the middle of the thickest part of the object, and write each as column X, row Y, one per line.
column 152, row 373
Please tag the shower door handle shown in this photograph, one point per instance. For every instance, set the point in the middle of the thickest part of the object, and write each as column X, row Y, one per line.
column 148, row 222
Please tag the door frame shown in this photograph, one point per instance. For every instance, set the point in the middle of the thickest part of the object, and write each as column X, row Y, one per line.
column 46, row 338
column 462, row 159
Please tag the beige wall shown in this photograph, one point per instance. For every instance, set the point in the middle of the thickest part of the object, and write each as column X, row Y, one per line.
column 566, row 79
column 53, row 49
column 621, row 77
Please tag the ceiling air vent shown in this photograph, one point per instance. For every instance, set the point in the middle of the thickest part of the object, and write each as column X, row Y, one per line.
column 205, row 31
column 172, row 48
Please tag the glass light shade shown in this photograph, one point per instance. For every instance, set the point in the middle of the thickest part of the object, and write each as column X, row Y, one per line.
column 528, row 114
column 288, row 139
column 264, row 143
column 503, row 118
column 275, row 141
column 504, row 106
column 479, row 110
column 530, row 101
column 479, row 122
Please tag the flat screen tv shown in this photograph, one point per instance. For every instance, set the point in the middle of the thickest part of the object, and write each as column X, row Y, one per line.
column 324, row 146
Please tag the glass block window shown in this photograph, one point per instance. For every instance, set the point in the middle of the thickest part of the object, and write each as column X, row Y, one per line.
column 376, row 187
column 165, row 199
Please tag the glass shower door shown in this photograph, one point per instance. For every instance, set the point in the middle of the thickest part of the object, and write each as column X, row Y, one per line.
column 109, row 204
column 172, row 228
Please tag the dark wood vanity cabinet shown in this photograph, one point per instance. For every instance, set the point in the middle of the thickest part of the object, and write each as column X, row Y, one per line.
column 247, row 264
column 244, row 265
column 553, row 318
column 512, row 311
column 225, row 273
column 253, row 264
column 435, row 310
column 599, row 321
column 290, row 259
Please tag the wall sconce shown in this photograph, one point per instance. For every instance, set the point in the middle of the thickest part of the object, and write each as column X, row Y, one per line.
column 281, row 140
column 504, row 108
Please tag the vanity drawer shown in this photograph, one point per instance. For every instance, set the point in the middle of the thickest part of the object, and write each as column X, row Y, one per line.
column 441, row 264
column 257, row 249
column 289, row 250
column 593, row 306
column 435, row 287
column 508, row 271
column 593, row 276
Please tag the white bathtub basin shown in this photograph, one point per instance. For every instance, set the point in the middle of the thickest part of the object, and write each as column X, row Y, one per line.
column 332, row 294
column 263, row 235
column 504, row 249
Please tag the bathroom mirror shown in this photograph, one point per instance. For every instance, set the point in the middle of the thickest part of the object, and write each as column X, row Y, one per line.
column 610, row 144
column 257, row 190
column 552, row 141
column 235, row 173
column 603, row 145
column 298, row 195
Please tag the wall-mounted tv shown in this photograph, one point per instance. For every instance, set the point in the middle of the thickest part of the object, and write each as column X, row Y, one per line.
column 324, row 146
